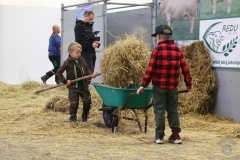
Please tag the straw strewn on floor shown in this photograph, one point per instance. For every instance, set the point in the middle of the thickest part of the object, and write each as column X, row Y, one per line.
column 22, row 106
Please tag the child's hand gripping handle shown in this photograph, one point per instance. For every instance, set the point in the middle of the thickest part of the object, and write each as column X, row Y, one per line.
column 72, row 81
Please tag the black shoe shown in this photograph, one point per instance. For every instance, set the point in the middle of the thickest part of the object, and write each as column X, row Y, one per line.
column 44, row 78
column 176, row 140
column 73, row 119
column 84, row 118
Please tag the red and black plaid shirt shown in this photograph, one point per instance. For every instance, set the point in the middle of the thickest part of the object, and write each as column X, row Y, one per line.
column 164, row 66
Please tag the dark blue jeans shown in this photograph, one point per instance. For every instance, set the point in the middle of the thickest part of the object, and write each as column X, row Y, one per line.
column 165, row 100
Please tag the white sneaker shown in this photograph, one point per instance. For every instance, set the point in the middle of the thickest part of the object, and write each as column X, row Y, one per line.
column 158, row 141
column 176, row 140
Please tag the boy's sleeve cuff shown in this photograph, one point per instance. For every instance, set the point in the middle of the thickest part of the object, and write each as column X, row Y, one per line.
column 65, row 81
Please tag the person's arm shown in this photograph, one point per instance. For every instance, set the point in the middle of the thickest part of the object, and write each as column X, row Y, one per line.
column 57, row 41
column 60, row 71
column 150, row 71
column 78, row 31
column 185, row 72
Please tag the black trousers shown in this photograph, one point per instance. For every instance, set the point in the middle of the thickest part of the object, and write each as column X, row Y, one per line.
column 90, row 58
column 56, row 64
column 74, row 94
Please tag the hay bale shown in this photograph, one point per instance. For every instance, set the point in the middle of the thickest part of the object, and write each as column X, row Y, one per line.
column 204, row 80
column 124, row 62
column 58, row 104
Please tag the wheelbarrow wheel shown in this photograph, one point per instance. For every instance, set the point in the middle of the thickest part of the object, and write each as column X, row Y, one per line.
column 107, row 117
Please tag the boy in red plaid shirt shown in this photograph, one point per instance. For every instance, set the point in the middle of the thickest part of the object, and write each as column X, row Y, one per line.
column 164, row 71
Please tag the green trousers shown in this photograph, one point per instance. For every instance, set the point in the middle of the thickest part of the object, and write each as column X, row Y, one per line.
column 165, row 100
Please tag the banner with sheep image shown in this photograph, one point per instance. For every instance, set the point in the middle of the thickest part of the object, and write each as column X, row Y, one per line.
column 184, row 16
column 181, row 15
column 222, row 37
column 219, row 9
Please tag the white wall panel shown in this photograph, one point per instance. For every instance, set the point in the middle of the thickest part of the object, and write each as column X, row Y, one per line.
column 24, row 42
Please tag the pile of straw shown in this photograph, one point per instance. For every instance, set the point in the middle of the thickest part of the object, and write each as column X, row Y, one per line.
column 58, row 104
column 204, row 81
column 124, row 62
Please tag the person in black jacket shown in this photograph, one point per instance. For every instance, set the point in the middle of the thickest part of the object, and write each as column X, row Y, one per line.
column 84, row 36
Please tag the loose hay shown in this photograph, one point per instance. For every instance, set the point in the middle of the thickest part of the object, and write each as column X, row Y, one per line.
column 62, row 104
column 58, row 104
column 204, row 81
column 141, row 34
column 29, row 85
column 24, row 127
column 124, row 62
column 6, row 89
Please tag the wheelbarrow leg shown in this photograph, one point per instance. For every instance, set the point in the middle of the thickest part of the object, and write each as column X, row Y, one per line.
column 146, row 116
column 139, row 125
column 115, row 121
column 146, row 120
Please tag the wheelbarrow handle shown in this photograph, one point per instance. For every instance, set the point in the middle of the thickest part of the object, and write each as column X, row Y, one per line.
column 128, row 98
column 134, row 93
column 183, row 91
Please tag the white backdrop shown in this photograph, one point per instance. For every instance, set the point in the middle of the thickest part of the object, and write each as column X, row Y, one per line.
column 25, row 27
column 24, row 42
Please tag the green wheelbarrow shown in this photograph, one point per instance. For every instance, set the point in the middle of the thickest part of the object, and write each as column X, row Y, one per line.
column 116, row 100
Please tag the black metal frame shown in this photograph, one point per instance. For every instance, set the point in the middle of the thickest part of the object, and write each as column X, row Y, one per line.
column 117, row 110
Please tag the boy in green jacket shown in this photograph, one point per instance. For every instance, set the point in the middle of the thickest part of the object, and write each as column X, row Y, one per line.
column 76, row 67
